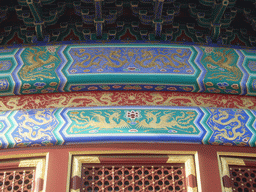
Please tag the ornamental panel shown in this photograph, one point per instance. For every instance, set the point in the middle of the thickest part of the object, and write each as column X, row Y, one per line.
column 133, row 173
column 23, row 173
column 238, row 171
column 144, row 67
column 62, row 126
column 133, row 178
column 17, row 180
column 121, row 98
column 243, row 178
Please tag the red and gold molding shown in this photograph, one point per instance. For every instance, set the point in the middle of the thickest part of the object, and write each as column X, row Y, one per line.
column 125, row 98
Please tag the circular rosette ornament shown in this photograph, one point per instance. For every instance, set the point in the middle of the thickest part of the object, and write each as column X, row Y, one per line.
column 132, row 116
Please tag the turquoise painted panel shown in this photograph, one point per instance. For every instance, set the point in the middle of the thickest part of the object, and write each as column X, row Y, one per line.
column 117, row 121
column 64, row 126
column 160, row 67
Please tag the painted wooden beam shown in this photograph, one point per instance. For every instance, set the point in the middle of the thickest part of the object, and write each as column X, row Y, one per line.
column 66, row 126
column 134, row 66
column 125, row 98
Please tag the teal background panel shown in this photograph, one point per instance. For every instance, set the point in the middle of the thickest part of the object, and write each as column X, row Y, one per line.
column 134, row 66
column 62, row 126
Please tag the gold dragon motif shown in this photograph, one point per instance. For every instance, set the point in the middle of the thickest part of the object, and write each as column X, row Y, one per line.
column 233, row 73
column 34, row 61
column 111, row 121
column 245, row 103
column 115, row 56
column 112, row 99
column 176, row 100
column 148, row 55
column 12, row 103
column 199, row 100
column 100, row 57
column 168, row 121
column 223, row 132
column 90, row 99
column 41, row 117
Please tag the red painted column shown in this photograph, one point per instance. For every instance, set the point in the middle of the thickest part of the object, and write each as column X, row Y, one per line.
column 57, row 170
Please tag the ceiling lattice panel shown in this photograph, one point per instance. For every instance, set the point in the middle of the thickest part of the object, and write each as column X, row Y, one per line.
column 203, row 21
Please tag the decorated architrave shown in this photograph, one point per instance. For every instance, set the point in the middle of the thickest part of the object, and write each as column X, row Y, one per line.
column 108, row 85
column 151, row 67
column 59, row 119
column 62, row 126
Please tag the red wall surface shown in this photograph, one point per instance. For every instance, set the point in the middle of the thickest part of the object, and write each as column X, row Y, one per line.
column 59, row 157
